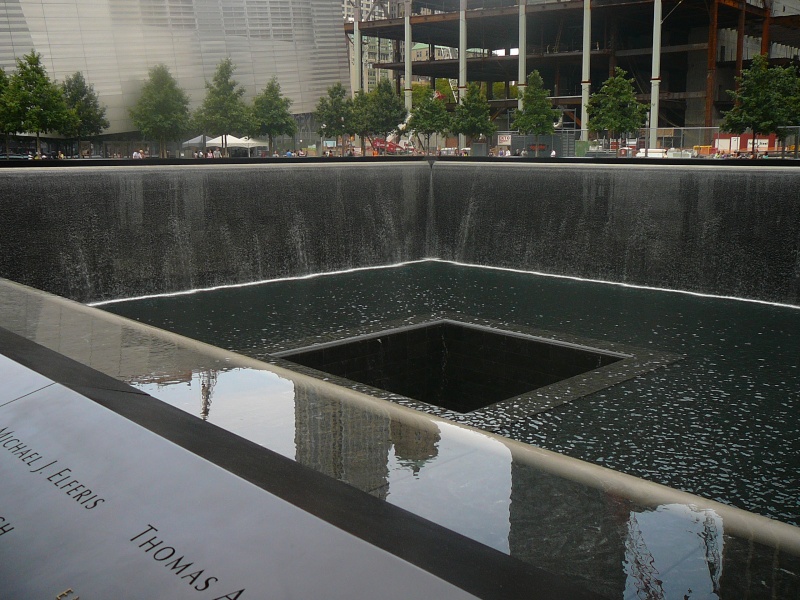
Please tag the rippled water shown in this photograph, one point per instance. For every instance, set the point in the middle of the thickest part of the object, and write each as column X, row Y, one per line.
column 722, row 423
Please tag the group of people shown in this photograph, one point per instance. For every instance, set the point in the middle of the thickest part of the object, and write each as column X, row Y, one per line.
column 522, row 152
column 215, row 153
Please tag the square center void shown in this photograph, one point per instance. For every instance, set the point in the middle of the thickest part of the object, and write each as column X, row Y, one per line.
column 459, row 367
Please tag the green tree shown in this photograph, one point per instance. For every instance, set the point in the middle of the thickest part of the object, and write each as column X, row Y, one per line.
column 429, row 116
column 35, row 101
column 223, row 111
column 766, row 101
column 333, row 113
column 162, row 110
column 537, row 115
column 499, row 90
column 386, row 111
column 5, row 111
column 90, row 117
column 420, row 91
column 358, row 123
column 472, row 116
column 445, row 90
column 615, row 107
column 271, row 115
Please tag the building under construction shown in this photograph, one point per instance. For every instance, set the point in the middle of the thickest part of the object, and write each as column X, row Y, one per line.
column 683, row 54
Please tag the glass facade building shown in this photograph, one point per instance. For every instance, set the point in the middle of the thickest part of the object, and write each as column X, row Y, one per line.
column 114, row 43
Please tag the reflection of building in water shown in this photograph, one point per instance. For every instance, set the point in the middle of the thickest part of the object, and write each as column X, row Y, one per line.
column 208, row 379
column 342, row 441
column 673, row 551
column 353, row 444
column 565, row 527
column 414, row 444
column 712, row 540
column 640, row 564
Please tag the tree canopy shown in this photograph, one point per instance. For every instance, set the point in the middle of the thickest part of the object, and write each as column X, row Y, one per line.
column 162, row 110
column 472, row 116
column 271, row 115
column 499, row 90
column 615, row 107
column 358, row 123
column 223, row 111
column 537, row 115
column 333, row 112
column 419, row 92
column 428, row 116
column 34, row 102
column 5, row 113
column 386, row 110
column 83, row 101
column 765, row 102
column 445, row 90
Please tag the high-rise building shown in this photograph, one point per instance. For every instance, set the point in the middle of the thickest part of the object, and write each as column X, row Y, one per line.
column 115, row 42
column 374, row 50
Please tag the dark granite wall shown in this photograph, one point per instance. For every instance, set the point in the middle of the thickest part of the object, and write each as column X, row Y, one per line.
column 723, row 229
column 104, row 232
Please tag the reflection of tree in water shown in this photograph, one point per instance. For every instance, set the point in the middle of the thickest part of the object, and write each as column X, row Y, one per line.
column 208, row 379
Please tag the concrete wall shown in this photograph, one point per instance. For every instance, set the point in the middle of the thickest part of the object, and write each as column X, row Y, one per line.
column 105, row 232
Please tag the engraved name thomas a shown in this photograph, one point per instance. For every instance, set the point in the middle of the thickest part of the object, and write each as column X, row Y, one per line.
column 168, row 556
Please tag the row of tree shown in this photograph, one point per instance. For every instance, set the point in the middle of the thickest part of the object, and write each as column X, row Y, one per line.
column 613, row 108
column 382, row 113
column 767, row 100
column 162, row 111
column 31, row 102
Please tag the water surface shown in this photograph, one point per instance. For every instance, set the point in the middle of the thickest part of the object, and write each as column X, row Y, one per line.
column 721, row 423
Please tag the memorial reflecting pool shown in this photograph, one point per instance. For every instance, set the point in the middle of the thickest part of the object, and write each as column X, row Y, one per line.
column 720, row 423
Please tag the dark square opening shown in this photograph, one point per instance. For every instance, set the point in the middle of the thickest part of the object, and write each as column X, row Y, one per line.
column 456, row 366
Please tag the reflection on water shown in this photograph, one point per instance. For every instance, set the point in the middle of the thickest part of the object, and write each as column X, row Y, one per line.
column 470, row 482
column 672, row 539
column 257, row 405
column 719, row 423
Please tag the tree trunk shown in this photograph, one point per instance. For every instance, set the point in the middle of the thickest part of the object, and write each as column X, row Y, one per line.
column 755, row 145
column 38, row 144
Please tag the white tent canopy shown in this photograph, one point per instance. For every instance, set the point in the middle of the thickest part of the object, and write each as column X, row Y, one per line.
column 233, row 142
column 245, row 142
